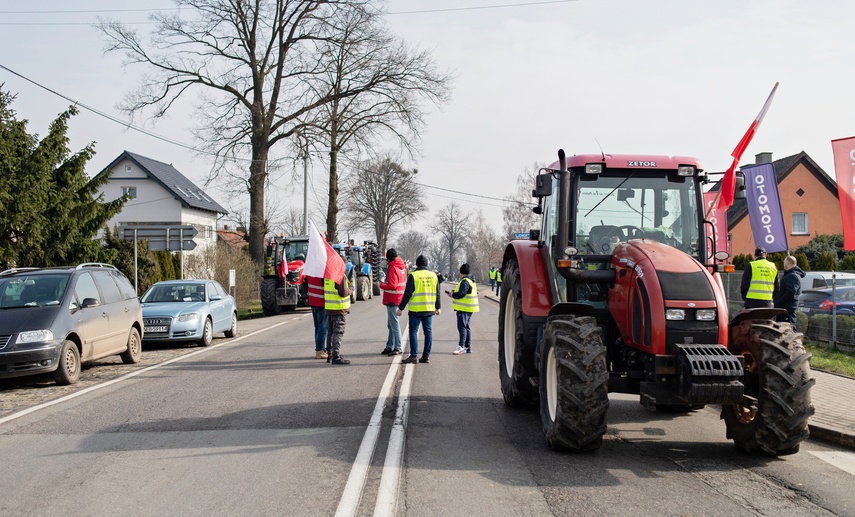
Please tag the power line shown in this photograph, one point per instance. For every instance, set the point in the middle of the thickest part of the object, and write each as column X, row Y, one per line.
column 393, row 13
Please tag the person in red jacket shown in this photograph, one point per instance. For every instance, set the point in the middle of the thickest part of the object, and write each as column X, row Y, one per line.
column 319, row 314
column 393, row 290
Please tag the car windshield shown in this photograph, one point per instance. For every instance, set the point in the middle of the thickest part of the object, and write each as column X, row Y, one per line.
column 174, row 293
column 32, row 290
column 614, row 209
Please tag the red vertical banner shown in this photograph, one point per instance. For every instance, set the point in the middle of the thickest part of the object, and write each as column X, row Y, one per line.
column 719, row 226
column 844, row 168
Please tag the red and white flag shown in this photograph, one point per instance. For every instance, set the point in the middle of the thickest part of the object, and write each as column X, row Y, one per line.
column 844, row 168
column 728, row 183
column 322, row 261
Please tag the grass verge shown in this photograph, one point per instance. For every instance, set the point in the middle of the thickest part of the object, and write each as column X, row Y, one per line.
column 834, row 361
column 254, row 310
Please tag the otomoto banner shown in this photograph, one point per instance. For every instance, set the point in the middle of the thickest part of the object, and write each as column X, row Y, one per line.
column 764, row 207
column 844, row 168
column 718, row 230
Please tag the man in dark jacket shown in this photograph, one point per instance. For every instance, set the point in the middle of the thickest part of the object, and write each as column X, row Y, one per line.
column 787, row 296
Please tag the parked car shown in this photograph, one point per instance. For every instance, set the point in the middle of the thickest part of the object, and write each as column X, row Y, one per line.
column 821, row 279
column 188, row 310
column 820, row 301
column 55, row 319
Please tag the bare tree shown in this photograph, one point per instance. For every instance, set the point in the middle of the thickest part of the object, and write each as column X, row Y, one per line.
column 381, row 196
column 411, row 244
column 484, row 246
column 450, row 225
column 392, row 80
column 252, row 60
column 517, row 213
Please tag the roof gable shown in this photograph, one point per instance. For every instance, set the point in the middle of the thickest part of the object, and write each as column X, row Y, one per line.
column 173, row 181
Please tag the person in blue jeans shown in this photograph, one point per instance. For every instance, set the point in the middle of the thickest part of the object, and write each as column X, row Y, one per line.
column 464, row 301
column 423, row 297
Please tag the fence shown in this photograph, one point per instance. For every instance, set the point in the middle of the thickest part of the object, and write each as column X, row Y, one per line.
column 830, row 330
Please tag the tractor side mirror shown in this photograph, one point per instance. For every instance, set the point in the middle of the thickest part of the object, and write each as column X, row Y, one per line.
column 542, row 185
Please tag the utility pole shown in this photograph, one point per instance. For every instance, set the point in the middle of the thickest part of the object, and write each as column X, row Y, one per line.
column 305, row 192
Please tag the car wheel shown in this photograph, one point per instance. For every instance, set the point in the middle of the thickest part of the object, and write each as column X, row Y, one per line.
column 68, row 371
column 207, row 334
column 232, row 332
column 134, row 352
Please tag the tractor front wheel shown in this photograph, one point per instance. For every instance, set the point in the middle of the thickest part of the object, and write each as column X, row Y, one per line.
column 514, row 374
column 268, row 297
column 777, row 374
column 574, row 378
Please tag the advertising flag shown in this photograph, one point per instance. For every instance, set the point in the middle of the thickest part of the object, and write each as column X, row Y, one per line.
column 764, row 207
column 728, row 183
column 718, row 230
column 322, row 261
column 844, row 168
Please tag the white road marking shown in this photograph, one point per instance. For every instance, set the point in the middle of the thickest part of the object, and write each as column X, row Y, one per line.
column 90, row 389
column 387, row 495
column 845, row 461
column 349, row 502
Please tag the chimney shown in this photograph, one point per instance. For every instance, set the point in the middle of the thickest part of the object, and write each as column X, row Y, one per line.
column 762, row 158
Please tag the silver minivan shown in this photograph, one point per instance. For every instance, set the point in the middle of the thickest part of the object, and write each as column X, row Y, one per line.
column 56, row 319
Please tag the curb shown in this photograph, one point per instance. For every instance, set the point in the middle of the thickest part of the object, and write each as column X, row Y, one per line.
column 833, row 436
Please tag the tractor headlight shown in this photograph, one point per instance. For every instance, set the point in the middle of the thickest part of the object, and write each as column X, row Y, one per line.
column 686, row 170
column 675, row 314
column 593, row 168
column 705, row 315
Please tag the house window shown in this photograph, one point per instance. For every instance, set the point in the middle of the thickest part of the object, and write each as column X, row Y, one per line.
column 800, row 224
column 209, row 232
column 129, row 191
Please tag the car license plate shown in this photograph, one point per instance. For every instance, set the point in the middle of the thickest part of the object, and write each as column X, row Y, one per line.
column 804, row 309
column 156, row 329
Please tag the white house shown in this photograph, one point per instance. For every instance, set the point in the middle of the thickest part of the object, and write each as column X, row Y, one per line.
column 160, row 195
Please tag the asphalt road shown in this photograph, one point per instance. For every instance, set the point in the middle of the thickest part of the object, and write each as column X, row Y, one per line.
column 256, row 426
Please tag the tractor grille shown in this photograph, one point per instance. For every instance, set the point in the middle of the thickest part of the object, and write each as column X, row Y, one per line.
column 4, row 340
column 685, row 286
column 690, row 333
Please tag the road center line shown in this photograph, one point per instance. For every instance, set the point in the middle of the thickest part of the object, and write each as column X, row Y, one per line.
column 90, row 389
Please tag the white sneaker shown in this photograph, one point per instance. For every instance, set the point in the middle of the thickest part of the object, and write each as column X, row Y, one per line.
column 460, row 350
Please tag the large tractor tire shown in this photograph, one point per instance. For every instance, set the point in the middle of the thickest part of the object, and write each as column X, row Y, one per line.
column 375, row 288
column 777, row 374
column 268, row 297
column 363, row 288
column 514, row 372
column 574, row 378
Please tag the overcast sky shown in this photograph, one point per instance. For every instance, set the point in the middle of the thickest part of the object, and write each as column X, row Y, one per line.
column 671, row 77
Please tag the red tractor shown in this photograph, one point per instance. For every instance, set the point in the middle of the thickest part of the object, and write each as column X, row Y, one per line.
column 620, row 291
column 286, row 288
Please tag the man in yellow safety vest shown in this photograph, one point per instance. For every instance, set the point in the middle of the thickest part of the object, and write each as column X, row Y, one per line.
column 337, row 306
column 759, row 281
column 422, row 295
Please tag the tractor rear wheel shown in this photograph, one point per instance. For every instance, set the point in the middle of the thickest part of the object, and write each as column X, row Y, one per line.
column 777, row 374
column 514, row 374
column 363, row 288
column 574, row 378
column 268, row 297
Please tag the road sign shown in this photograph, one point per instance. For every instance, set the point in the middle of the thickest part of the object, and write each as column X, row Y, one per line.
column 163, row 237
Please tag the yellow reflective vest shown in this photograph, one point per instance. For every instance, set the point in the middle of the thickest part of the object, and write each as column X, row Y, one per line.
column 498, row 276
column 763, row 274
column 424, row 292
column 493, row 274
column 468, row 303
column 332, row 301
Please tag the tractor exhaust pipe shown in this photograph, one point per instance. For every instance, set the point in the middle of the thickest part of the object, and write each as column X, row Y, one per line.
column 563, row 237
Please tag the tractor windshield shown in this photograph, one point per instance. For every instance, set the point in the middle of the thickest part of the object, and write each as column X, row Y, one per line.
column 612, row 209
column 296, row 250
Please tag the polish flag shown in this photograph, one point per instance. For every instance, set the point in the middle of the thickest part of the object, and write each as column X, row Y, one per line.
column 322, row 261
column 728, row 183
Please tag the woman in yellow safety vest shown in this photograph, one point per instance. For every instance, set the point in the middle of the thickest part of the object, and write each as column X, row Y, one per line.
column 464, row 301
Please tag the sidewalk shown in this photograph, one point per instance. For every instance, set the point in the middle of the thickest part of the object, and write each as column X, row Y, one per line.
column 833, row 396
